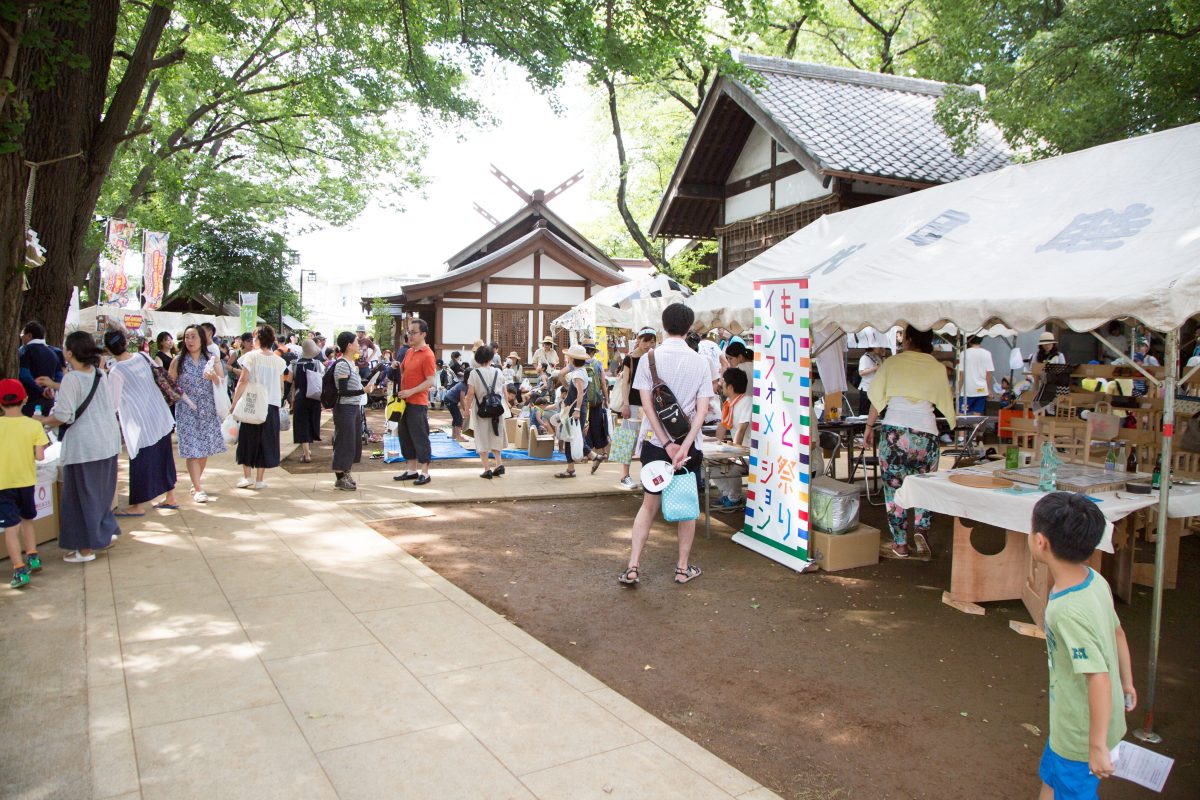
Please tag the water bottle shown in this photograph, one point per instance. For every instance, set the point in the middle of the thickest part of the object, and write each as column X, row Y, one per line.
column 1048, row 478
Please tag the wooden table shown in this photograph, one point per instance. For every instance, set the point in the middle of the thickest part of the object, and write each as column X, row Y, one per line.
column 716, row 453
column 1010, row 574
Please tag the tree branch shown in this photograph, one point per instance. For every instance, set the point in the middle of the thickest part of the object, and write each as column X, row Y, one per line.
column 631, row 224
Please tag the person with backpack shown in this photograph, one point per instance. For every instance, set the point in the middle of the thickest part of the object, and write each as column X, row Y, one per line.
column 675, row 383
column 486, row 398
column 342, row 392
column 307, row 375
column 596, row 431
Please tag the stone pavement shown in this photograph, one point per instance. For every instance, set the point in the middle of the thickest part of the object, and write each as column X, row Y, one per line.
column 270, row 645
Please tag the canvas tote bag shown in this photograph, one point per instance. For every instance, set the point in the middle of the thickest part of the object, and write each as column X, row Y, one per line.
column 251, row 408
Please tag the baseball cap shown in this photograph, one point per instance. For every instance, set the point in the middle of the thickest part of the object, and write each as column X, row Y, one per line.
column 12, row 392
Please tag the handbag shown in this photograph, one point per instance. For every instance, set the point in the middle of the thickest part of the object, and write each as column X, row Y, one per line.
column 666, row 407
column 680, row 498
column 624, row 439
column 251, row 408
column 87, row 401
column 395, row 409
column 572, row 434
column 312, row 380
column 170, row 390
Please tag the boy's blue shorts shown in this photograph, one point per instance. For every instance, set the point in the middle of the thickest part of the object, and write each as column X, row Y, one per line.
column 16, row 505
column 1070, row 780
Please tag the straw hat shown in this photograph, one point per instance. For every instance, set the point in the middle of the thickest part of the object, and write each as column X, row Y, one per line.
column 547, row 340
column 514, row 355
column 576, row 351
column 1047, row 338
column 588, row 343
column 310, row 349
column 478, row 344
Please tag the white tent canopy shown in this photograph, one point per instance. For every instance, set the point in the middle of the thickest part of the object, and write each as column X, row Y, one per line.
column 615, row 307
column 1084, row 238
column 155, row 321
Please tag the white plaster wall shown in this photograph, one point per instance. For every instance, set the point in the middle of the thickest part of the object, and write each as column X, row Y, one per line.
column 521, row 269
column 460, row 325
column 503, row 293
column 748, row 204
column 798, row 188
column 470, row 287
column 553, row 270
column 561, row 295
column 755, row 155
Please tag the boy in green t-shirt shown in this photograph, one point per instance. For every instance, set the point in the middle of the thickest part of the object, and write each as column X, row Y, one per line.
column 22, row 440
column 1091, row 681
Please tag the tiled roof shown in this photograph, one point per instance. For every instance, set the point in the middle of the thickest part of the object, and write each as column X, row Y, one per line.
column 867, row 123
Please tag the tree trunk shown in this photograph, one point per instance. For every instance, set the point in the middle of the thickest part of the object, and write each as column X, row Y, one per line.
column 12, row 257
column 70, row 118
column 631, row 224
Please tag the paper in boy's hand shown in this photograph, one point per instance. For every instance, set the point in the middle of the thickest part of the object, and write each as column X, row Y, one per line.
column 1141, row 766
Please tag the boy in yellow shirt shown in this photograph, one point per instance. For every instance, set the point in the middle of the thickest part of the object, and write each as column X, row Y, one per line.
column 22, row 440
column 1091, row 681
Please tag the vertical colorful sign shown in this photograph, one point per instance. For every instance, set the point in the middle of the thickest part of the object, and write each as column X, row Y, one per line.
column 114, row 284
column 777, row 499
column 154, row 268
column 249, row 311
column 602, row 345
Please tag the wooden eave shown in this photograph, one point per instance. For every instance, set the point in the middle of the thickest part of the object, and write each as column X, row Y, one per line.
column 535, row 210
column 538, row 240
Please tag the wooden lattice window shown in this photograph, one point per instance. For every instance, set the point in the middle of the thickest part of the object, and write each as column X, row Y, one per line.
column 745, row 239
column 510, row 330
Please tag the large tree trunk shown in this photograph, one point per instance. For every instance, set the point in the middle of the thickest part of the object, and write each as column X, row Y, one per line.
column 71, row 118
column 12, row 257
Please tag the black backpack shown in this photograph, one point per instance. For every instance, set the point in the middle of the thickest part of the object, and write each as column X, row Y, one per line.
column 491, row 405
column 329, row 388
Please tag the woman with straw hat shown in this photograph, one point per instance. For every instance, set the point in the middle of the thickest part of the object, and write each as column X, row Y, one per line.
column 306, row 413
column 575, row 406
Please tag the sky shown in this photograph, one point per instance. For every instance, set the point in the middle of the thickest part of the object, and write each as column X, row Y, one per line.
column 530, row 143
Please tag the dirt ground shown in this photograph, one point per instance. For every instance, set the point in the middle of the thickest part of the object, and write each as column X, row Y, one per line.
column 859, row 684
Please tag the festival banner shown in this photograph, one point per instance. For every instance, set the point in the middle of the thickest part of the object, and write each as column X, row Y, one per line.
column 249, row 311
column 777, row 499
column 114, row 283
column 154, row 268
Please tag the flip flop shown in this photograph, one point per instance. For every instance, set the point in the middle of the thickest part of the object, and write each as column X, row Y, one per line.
column 166, row 505
column 127, row 514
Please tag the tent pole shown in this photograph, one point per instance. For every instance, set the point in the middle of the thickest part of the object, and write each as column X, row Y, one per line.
column 1146, row 733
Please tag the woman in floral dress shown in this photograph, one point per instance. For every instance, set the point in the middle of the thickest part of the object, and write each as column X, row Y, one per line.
column 196, row 421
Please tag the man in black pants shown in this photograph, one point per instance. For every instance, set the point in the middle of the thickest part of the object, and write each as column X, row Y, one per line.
column 418, row 372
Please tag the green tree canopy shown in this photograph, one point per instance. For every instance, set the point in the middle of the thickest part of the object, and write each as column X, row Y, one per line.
column 239, row 255
column 1062, row 75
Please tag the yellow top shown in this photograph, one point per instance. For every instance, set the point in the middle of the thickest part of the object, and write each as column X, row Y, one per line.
column 916, row 376
column 18, row 437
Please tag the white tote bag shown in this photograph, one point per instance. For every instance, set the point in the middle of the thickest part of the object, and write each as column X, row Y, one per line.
column 251, row 408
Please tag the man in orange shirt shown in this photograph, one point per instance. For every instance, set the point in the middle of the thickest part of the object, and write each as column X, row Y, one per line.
column 418, row 372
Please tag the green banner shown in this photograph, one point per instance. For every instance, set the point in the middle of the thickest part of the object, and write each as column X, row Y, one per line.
column 249, row 311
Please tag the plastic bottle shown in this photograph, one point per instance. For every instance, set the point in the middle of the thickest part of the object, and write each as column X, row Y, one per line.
column 1048, row 478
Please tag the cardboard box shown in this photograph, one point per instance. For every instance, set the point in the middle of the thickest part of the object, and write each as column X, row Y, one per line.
column 540, row 445
column 45, row 526
column 510, row 429
column 835, row 552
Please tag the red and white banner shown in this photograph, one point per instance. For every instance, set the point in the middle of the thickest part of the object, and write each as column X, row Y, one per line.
column 114, row 283
column 154, row 268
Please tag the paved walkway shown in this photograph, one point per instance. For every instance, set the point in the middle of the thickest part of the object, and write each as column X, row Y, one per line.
column 271, row 645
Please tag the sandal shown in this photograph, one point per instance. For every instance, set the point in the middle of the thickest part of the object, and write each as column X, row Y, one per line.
column 570, row 474
column 597, row 461
column 689, row 574
column 629, row 577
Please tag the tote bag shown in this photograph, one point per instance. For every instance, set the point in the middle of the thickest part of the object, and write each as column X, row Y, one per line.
column 624, row 439
column 681, row 500
column 251, row 408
